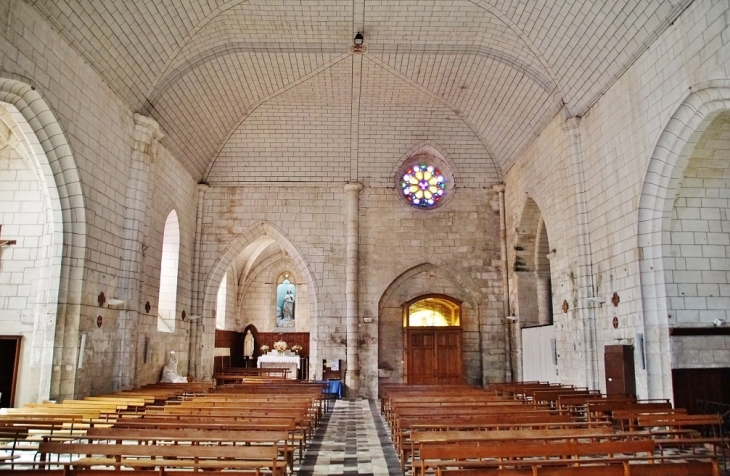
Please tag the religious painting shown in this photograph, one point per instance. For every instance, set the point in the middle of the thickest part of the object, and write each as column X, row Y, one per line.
column 286, row 294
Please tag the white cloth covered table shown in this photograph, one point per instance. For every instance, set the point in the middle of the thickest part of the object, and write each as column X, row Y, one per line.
column 291, row 362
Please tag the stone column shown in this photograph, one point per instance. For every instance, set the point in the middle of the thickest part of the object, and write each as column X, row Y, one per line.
column 146, row 135
column 582, row 253
column 197, row 306
column 508, row 368
column 352, row 237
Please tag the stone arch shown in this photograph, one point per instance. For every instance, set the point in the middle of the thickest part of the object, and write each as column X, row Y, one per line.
column 431, row 148
column 215, row 276
column 45, row 141
column 661, row 184
column 533, row 295
column 270, row 269
column 420, row 280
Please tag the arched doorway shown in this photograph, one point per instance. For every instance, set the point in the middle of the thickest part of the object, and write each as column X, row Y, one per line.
column 432, row 340
column 254, row 264
column 481, row 358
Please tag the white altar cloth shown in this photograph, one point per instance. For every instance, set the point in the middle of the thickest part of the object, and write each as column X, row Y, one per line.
column 279, row 359
column 290, row 362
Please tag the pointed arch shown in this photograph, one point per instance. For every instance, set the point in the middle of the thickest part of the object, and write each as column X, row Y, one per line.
column 42, row 136
column 661, row 182
column 241, row 243
column 422, row 280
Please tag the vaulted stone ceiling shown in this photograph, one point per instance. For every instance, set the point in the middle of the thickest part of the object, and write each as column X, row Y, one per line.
column 202, row 68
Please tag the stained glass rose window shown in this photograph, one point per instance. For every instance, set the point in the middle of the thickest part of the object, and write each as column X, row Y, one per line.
column 423, row 185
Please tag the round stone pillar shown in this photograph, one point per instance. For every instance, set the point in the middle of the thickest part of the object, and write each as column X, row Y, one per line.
column 352, row 237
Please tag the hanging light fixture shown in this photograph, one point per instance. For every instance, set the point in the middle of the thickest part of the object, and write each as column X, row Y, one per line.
column 357, row 44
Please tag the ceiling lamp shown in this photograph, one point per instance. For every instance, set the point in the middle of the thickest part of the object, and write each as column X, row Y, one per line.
column 357, row 44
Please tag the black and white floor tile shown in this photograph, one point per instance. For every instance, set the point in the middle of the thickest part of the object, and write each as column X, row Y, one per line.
column 352, row 440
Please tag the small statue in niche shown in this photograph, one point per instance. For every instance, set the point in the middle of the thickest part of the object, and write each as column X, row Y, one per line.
column 169, row 371
column 248, row 344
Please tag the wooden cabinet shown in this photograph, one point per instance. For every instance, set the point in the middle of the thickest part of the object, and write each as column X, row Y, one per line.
column 620, row 372
column 329, row 373
column 692, row 386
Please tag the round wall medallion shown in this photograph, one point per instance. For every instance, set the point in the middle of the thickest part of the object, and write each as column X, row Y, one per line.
column 99, row 321
column 615, row 322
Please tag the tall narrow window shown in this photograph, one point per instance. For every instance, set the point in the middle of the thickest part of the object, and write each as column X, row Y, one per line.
column 168, row 274
column 220, row 310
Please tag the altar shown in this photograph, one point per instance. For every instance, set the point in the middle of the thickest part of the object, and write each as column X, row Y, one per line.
column 274, row 360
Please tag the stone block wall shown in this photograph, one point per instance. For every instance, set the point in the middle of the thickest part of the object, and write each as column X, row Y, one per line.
column 25, row 217
column 617, row 137
column 98, row 126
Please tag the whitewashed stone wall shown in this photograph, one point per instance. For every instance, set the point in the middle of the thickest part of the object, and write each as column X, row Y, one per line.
column 459, row 244
column 618, row 136
column 172, row 188
column 98, row 126
column 307, row 221
column 24, row 217
column 697, row 252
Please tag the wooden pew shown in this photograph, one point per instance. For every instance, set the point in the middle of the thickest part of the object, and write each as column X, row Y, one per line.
column 490, row 421
column 420, row 438
column 603, row 409
column 203, row 423
column 280, row 438
column 524, row 454
column 162, row 457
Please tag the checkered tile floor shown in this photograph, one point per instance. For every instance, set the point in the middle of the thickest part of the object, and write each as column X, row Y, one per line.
column 351, row 441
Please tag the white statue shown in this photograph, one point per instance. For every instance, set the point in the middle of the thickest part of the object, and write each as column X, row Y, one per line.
column 248, row 344
column 169, row 371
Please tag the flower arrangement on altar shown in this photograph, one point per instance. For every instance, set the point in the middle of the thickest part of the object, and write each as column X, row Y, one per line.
column 264, row 349
column 296, row 348
column 280, row 346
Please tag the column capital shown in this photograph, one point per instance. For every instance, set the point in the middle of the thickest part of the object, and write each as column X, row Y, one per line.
column 146, row 131
column 354, row 187
column 498, row 188
column 572, row 124
column 202, row 188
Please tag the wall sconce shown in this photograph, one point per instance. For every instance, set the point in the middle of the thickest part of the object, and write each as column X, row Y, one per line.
column 115, row 303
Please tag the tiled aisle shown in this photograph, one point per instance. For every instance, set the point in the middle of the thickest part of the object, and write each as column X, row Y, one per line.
column 351, row 441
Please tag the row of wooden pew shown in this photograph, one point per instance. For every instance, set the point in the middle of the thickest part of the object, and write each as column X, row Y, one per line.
column 535, row 428
column 253, row 428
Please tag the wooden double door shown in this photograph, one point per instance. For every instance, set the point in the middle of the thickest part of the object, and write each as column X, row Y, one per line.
column 432, row 355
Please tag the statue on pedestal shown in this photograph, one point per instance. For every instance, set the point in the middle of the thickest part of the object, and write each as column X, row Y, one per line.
column 248, row 344
column 169, row 371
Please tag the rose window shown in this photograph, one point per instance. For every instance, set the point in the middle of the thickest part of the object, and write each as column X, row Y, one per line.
column 423, row 185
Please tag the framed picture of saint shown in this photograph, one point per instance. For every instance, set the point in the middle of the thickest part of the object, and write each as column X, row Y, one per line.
column 286, row 296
